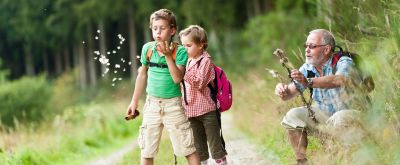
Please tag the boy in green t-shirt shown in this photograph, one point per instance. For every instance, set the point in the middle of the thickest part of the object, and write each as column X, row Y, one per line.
column 163, row 106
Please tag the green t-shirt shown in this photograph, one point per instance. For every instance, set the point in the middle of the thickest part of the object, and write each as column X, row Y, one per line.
column 159, row 81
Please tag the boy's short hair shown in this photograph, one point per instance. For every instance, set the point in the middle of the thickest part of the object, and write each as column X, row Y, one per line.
column 164, row 14
column 197, row 34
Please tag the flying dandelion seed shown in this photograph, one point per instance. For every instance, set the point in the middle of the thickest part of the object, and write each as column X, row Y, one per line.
column 97, row 52
column 129, row 63
column 83, row 42
column 138, row 57
column 104, row 60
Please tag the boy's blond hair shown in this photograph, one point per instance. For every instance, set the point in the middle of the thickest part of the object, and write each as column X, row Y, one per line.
column 164, row 14
column 196, row 34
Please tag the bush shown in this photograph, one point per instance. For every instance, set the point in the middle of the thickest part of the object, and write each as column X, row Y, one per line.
column 25, row 99
column 65, row 92
column 266, row 33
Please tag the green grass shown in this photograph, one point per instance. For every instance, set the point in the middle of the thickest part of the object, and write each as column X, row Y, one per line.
column 78, row 135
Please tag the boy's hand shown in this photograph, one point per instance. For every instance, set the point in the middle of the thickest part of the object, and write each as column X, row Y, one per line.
column 132, row 112
column 164, row 48
column 132, row 116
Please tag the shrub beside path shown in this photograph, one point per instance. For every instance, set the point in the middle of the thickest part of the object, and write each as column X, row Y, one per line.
column 240, row 150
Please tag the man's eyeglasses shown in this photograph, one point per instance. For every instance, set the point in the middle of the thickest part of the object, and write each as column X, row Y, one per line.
column 312, row 46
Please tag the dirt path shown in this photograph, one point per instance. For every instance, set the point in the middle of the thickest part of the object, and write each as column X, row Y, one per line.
column 115, row 157
column 239, row 148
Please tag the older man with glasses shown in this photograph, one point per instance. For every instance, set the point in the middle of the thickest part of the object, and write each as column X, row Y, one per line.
column 330, row 107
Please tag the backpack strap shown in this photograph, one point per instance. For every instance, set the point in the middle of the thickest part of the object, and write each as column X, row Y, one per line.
column 339, row 54
column 184, row 92
column 213, row 89
column 310, row 74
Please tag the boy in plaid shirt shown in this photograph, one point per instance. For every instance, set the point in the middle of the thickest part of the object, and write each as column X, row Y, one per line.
column 199, row 106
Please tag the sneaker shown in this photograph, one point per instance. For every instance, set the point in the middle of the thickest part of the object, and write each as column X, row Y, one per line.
column 204, row 162
column 221, row 161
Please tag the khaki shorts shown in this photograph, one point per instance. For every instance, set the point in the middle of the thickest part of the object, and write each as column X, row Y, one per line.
column 297, row 118
column 157, row 113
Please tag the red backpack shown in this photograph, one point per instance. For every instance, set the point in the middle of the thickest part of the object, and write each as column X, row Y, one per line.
column 222, row 90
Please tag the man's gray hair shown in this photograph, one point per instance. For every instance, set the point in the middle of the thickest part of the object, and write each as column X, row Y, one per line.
column 327, row 37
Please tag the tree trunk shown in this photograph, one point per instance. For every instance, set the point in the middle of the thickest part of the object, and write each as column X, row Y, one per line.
column 46, row 63
column 91, row 63
column 81, row 60
column 249, row 10
column 268, row 5
column 75, row 65
column 147, row 34
column 29, row 64
column 257, row 7
column 67, row 60
column 103, row 45
column 132, row 45
column 57, row 62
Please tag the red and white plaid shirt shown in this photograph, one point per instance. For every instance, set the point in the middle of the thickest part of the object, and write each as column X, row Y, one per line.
column 199, row 73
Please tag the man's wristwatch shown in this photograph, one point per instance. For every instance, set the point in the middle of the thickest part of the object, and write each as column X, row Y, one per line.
column 309, row 82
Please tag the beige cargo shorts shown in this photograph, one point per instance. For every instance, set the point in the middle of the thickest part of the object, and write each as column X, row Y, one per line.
column 157, row 113
column 297, row 118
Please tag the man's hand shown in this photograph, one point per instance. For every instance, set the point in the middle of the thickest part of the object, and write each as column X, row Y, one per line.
column 299, row 77
column 281, row 90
